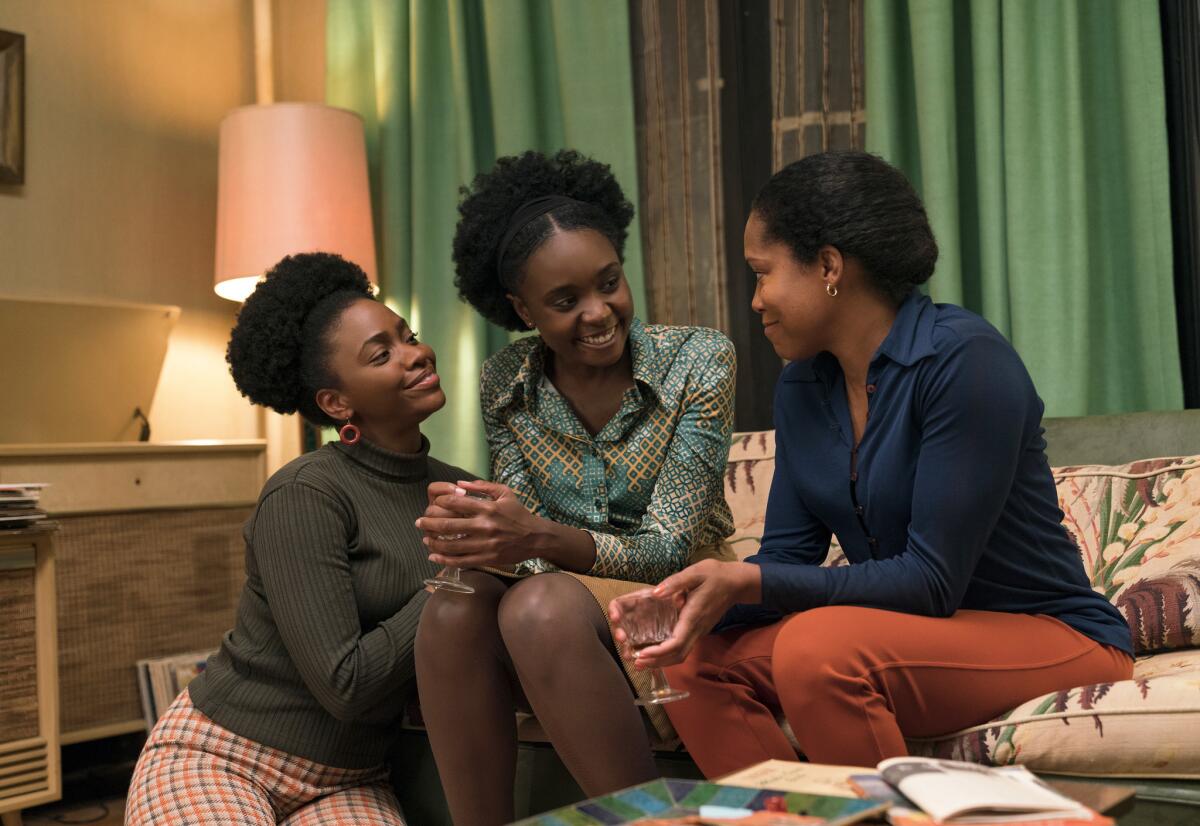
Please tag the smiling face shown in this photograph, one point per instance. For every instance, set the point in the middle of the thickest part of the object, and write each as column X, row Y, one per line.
column 574, row 291
column 387, row 380
column 797, row 313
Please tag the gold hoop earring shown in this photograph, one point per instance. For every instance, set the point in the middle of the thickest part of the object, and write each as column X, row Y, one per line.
column 830, row 289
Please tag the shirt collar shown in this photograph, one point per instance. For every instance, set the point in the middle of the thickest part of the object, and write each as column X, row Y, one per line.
column 908, row 341
column 648, row 371
column 911, row 336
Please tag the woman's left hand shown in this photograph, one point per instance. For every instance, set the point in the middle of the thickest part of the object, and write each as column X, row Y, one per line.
column 708, row 589
column 494, row 532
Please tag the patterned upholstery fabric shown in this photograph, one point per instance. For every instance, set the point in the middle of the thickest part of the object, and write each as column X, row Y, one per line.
column 747, row 481
column 1138, row 531
column 1144, row 727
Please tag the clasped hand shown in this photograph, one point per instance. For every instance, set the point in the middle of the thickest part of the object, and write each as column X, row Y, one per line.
column 706, row 591
column 489, row 532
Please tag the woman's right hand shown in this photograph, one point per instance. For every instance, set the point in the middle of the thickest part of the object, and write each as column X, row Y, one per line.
column 492, row 530
column 435, row 490
column 708, row 589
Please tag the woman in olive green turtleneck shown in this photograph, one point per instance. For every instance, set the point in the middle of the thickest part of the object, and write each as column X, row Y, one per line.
column 293, row 717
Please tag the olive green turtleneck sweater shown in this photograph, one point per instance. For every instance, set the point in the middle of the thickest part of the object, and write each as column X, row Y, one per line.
column 320, row 660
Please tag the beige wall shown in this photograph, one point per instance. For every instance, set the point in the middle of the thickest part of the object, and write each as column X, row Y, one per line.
column 123, row 103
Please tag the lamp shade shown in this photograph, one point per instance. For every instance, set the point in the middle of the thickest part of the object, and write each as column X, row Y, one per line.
column 292, row 178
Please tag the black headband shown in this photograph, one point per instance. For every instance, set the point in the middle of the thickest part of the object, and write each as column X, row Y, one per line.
column 523, row 216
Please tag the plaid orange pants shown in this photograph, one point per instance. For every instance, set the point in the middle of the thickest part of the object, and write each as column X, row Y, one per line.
column 193, row 771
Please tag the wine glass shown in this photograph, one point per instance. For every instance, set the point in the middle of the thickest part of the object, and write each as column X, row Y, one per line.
column 647, row 620
column 450, row 577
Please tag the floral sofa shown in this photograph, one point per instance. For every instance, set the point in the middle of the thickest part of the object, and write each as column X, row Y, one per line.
column 1137, row 526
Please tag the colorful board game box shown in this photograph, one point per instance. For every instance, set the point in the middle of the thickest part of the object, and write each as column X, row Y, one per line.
column 665, row 799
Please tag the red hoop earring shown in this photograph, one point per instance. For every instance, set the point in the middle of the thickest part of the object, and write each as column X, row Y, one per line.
column 349, row 434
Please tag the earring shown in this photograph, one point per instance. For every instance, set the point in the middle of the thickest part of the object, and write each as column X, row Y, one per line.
column 532, row 326
column 830, row 289
column 349, row 434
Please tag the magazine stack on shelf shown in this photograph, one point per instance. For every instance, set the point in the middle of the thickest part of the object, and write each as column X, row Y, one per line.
column 161, row 679
column 19, row 505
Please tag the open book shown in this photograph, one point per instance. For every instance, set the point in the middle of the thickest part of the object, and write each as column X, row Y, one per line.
column 922, row 791
column 953, row 792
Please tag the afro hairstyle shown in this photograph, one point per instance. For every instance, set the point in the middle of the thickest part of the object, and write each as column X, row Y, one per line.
column 279, row 351
column 489, row 203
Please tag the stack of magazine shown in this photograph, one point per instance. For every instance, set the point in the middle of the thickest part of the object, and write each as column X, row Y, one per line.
column 19, row 505
column 161, row 679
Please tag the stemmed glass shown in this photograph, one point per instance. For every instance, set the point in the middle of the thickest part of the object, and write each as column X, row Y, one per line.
column 648, row 620
column 450, row 577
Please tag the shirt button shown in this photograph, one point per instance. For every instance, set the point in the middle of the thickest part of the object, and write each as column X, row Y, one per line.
column 859, row 510
column 870, row 388
column 873, row 542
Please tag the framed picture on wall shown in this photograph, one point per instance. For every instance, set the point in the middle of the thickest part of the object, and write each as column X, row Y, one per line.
column 12, row 108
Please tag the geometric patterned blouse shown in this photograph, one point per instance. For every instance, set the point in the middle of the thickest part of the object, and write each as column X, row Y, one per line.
column 649, row 487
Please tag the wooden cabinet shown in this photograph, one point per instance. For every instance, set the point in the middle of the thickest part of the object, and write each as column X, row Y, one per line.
column 133, row 586
column 150, row 562
column 30, row 773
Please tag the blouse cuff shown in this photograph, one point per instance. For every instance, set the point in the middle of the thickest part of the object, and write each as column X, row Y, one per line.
column 612, row 560
column 789, row 588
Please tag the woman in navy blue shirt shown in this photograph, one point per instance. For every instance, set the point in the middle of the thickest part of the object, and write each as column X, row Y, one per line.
column 912, row 431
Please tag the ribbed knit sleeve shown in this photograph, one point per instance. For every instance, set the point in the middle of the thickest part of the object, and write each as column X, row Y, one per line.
column 300, row 538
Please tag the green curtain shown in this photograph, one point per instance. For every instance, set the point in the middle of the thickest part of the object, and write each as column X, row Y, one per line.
column 444, row 88
column 1035, row 131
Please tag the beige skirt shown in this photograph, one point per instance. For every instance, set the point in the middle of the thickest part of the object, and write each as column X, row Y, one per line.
column 605, row 591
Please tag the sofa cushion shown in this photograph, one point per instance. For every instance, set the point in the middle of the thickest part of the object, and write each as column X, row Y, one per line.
column 747, row 481
column 1144, row 727
column 1137, row 527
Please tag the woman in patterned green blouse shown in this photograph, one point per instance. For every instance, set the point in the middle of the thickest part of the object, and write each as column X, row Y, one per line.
column 608, row 439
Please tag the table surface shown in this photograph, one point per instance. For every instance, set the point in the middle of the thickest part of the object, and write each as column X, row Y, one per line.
column 1105, row 798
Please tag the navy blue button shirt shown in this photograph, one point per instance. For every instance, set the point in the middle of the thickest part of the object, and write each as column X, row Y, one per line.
column 946, row 503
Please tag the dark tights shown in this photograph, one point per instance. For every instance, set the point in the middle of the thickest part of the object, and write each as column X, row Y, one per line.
column 543, row 641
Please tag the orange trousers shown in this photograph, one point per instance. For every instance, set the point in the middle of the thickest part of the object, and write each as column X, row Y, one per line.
column 854, row 682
